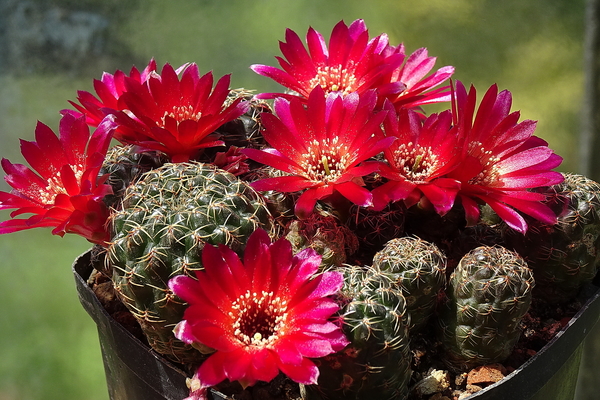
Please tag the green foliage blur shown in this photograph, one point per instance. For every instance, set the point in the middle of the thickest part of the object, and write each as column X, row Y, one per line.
column 48, row 345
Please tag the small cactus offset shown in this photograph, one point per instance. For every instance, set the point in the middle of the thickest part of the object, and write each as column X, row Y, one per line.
column 376, row 364
column 334, row 241
column 419, row 269
column 488, row 294
column 167, row 218
column 124, row 166
column 564, row 256
column 244, row 131
column 374, row 228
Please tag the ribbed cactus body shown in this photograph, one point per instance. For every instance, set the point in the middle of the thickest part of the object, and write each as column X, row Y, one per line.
column 472, row 237
column 125, row 166
column 565, row 256
column 166, row 219
column 489, row 292
column 323, row 233
column 419, row 269
column 245, row 131
column 375, row 228
column 376, row 364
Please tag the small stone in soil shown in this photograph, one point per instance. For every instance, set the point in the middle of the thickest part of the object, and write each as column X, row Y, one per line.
column 460, row 379
column 486, row 375
column 435, row 381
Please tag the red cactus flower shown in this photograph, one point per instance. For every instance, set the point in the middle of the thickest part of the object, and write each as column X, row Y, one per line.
column 417, row 89
column 502, row 160
column 108, row 89
column 321, row 145
column 352, row 63
column 176, row 116
column 63, row 190
column 265, row 315
column 417, row 161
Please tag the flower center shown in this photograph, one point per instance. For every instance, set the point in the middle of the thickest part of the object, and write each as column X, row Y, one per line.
column 489, row 175
column 326, row 160
column 180, row 113
column 334, row 79
column 258, row 319
column 55, row 186
column 414, row 162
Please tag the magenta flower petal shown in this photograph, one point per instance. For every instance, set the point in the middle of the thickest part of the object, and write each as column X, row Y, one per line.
column 351, row 62
column 211, row 371
column 322, row 145
column 185, row 287
column 174, row 112
column 258, row 325
column 108, row 89
column 63, row 190
column 355, row 193
column 305, row 204
column 419, row 159
column 417, row 89
column 307, row 373
column 502, row 159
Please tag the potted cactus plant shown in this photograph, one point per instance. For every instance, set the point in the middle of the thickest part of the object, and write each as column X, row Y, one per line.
column 330, row 242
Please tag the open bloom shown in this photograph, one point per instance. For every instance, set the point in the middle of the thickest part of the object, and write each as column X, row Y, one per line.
column 176, row 115
column 502, row 160
column 108, row 89
column 352, row 63
column 63, row 190
column 424, row 151
column 417, row 88
column 321, row 147
column 265, row 315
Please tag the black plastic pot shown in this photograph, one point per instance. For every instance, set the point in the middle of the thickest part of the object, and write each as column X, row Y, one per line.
column 134, row 372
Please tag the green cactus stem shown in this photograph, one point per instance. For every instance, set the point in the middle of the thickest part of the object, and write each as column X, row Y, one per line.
column 565, row 256
column 488, row 294
column 376, row 364
column 167, row 218
column 124, row 166
column 418, row 268
column 324, row 234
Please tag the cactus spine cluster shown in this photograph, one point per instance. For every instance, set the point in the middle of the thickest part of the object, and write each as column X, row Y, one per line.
column 376, row 365
column 166, row 219
column 489, row 293
column 419, row 269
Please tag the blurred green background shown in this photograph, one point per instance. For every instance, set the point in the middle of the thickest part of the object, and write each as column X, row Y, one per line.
column 51, row 49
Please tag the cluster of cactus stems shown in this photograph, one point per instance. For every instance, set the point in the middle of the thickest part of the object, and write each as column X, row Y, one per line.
column 467, row 284
column 418, row 268
column 343, row 168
